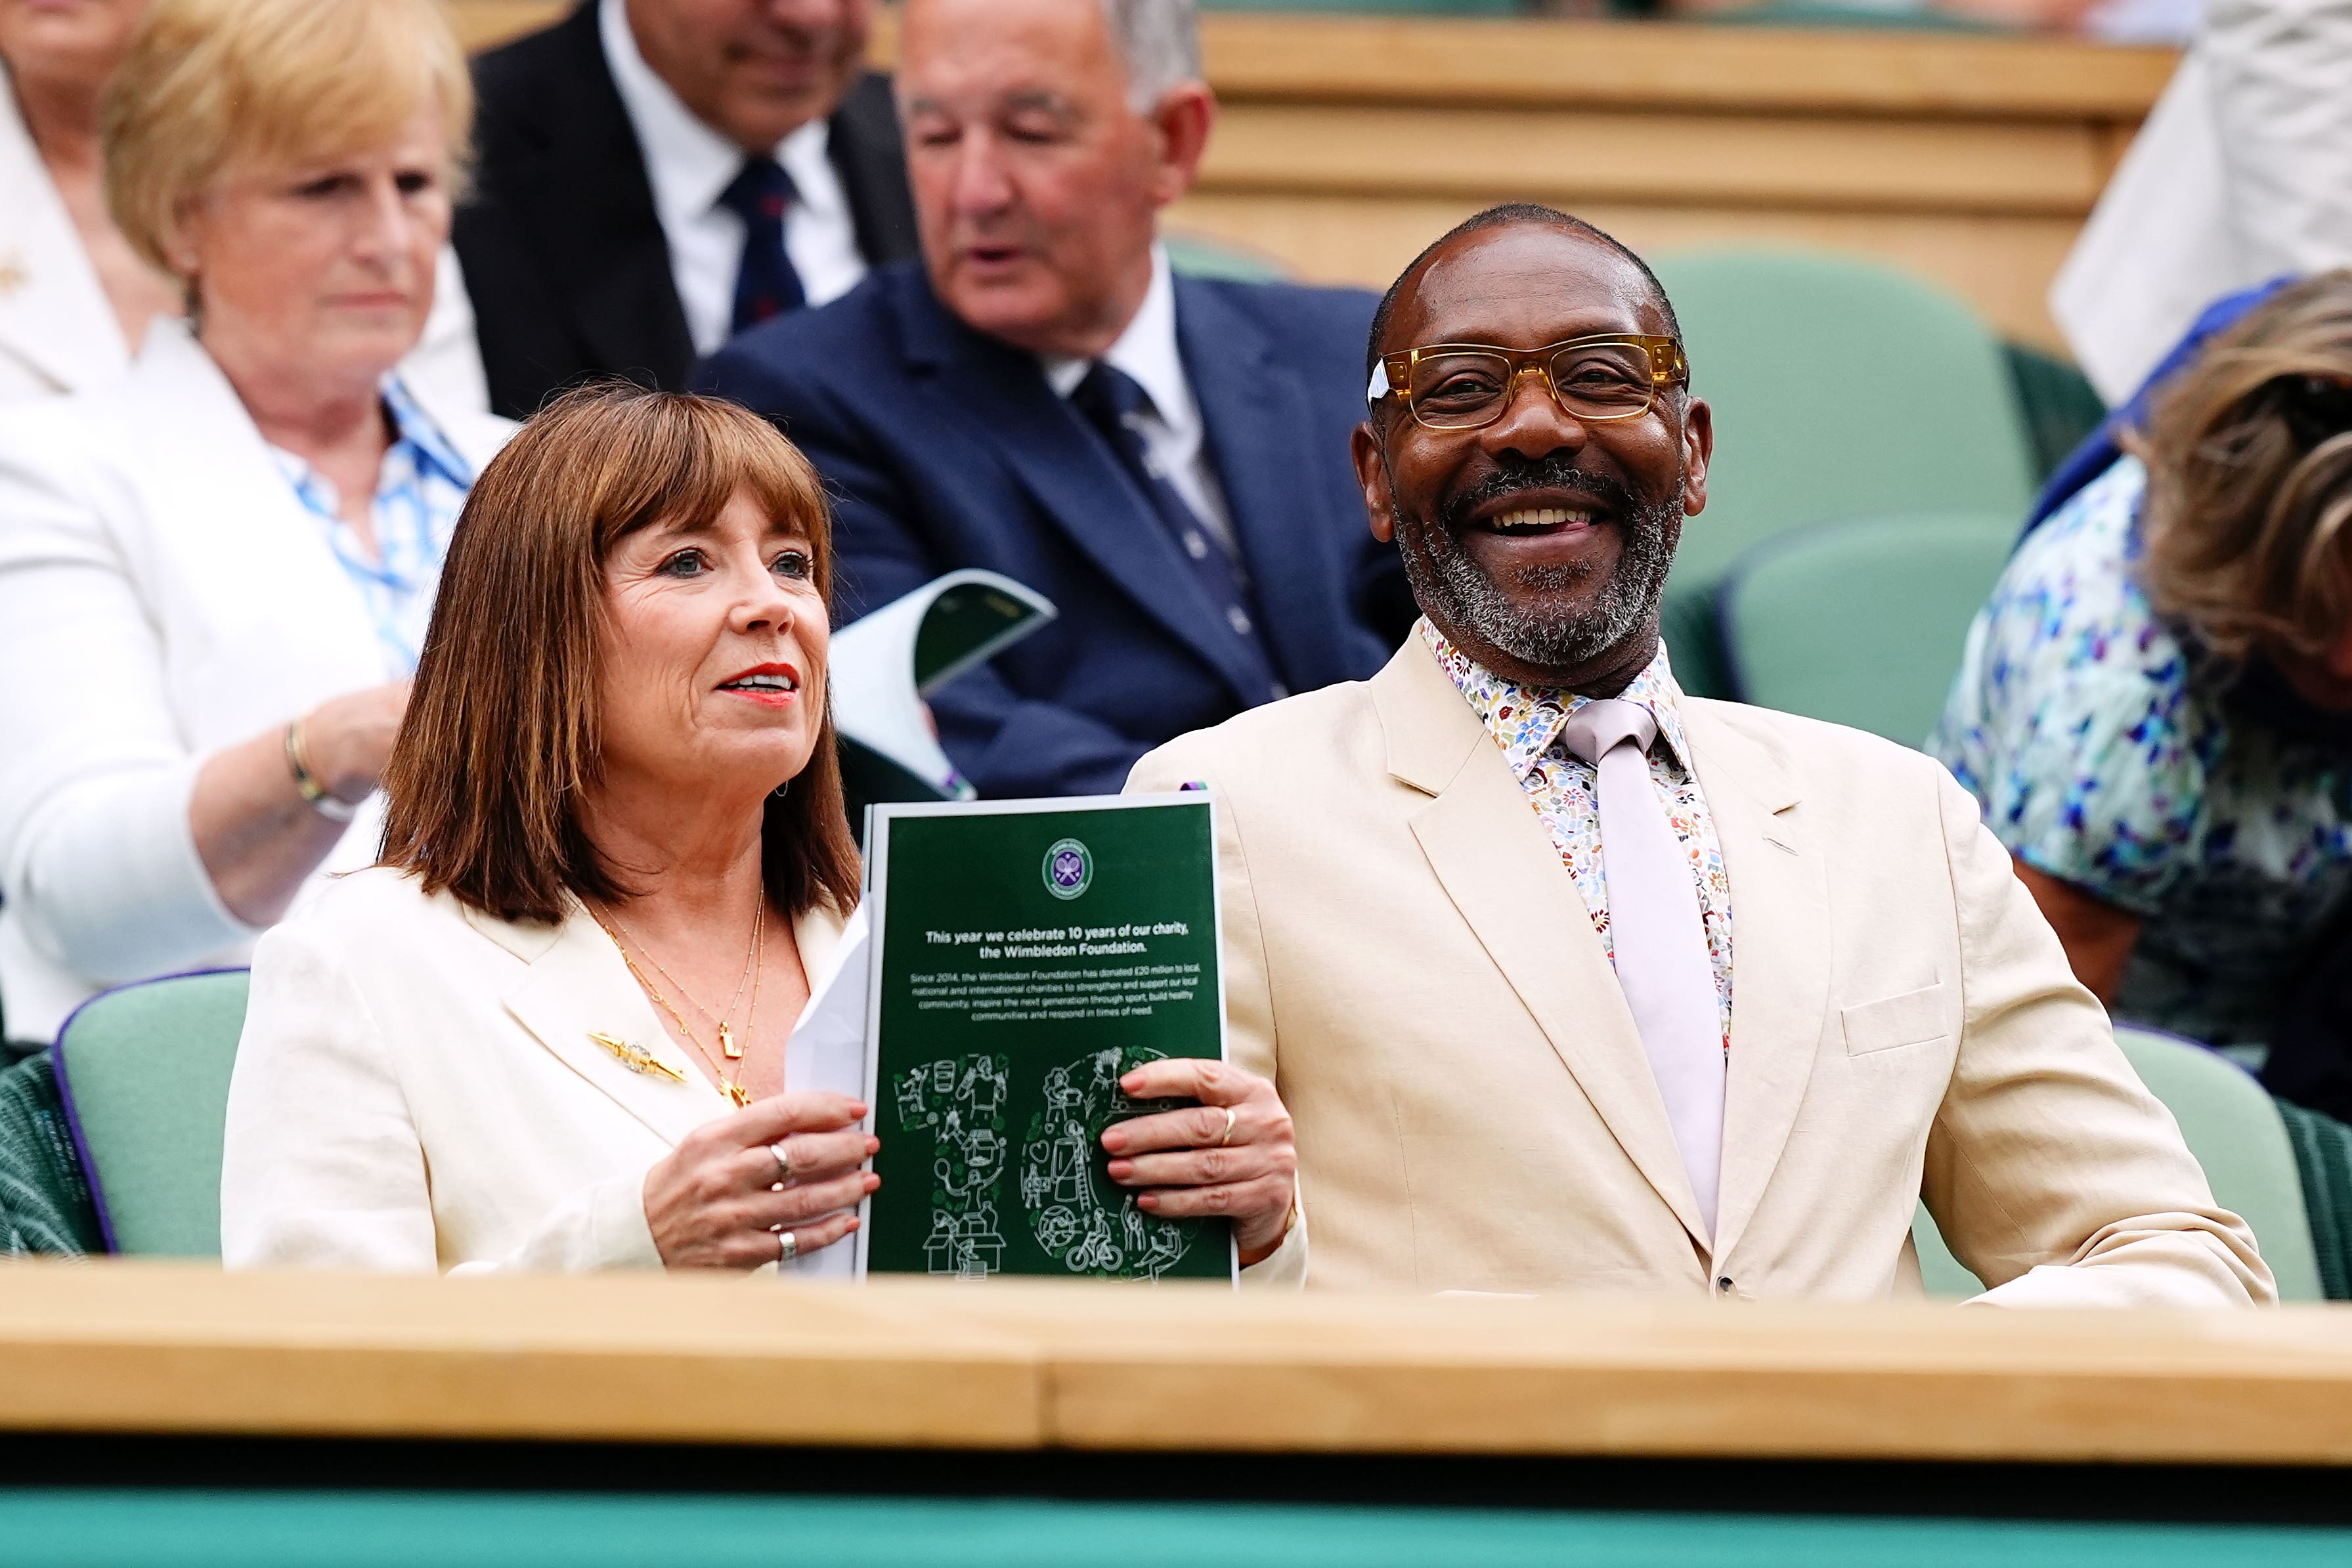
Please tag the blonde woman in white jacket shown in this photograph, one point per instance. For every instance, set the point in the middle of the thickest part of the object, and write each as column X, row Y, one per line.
column 215, row 569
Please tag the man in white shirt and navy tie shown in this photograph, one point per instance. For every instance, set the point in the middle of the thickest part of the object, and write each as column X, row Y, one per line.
column 656, row 175
column 1571, row 981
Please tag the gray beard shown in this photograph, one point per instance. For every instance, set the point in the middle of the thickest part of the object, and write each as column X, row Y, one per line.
column 1453, row 588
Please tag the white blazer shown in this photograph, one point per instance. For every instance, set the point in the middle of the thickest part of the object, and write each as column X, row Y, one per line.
column 162, row 595
column 416, row 1090
column 57, row 329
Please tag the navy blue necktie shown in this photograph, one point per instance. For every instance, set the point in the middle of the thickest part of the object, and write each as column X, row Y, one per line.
column 1112, row 400
column 766, row 285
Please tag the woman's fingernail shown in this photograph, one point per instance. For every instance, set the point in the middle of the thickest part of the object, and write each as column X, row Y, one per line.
column 1121, row 1169
column 872, row 1180
column 1148, row 1201
column 1114, row 1139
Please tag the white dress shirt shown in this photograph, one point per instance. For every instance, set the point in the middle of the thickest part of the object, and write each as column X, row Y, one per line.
column 1174, row 438
column 688, row 164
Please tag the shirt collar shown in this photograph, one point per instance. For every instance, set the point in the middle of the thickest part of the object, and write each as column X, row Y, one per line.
column 1145, row 351
column 414, row 435
column 412, row 425
column 1525, row 720
column 688, row 164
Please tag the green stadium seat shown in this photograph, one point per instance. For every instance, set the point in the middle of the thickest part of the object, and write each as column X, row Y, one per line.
column 1860, row 623
column 144, row 1073
column 2235, row 1132
column 1842, row 389
column 1198, row 255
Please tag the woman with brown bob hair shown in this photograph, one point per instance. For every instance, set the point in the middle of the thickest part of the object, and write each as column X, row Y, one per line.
column 548, row 1029
column 2156, row 707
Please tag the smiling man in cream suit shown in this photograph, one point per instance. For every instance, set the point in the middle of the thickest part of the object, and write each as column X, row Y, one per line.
column 1571, row 981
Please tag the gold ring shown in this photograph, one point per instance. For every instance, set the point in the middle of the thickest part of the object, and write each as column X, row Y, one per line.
column 1230, row 1119
column 788, row 1246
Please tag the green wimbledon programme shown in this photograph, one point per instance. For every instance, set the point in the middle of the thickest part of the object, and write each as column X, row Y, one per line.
column 1026, row 955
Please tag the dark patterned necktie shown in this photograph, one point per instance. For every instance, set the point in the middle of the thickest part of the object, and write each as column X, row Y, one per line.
column 766, row 285
column 1112, row 401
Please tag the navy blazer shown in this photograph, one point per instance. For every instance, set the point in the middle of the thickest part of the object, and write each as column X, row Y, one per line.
column 945, row 448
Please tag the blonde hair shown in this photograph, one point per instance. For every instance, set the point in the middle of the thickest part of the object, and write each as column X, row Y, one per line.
column 2248, row 518
column 209, row 84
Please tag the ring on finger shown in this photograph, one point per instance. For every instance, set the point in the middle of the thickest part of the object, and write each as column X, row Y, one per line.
column 788, row 1246
column 1227, row 1136
column 784, row 1161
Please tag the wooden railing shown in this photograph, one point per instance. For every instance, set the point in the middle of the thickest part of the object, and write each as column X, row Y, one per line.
column 1345, row 145
column 129, row 1348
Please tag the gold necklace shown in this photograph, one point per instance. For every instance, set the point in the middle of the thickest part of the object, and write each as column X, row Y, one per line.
column 731, row 1087
column 727, row 1045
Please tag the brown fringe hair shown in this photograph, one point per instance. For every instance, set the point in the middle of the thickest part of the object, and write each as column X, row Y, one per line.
column 2248, row 522
column 503, row 733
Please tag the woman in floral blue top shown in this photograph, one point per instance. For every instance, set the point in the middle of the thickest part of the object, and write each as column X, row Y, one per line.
column 2155, row 709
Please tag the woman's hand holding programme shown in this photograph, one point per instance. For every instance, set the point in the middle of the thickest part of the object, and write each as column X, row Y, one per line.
column 721, row 1197
column 1231, row 1154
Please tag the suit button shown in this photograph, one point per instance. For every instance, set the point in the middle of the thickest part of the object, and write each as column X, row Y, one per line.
column 1724, row 1286
column 1196, row 547
column 1239, row 619
column 1280, row 691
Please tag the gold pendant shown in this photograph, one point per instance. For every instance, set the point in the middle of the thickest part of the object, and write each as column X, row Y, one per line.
column 727, row 1045
column 738, row 1093
column 636, row 1057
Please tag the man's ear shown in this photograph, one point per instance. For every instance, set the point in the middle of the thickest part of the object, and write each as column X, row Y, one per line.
column 1698, row 448
column 1373, row 474
column 1183, row 117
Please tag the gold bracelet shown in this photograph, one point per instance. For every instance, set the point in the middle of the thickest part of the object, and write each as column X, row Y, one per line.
column 321, row 799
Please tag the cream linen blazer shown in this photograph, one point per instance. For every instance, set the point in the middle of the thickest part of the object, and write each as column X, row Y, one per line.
column 1409, row 960
column 415, row 1090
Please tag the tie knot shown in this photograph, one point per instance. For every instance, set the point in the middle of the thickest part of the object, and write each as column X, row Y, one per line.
column 760, row 192
column 1600, row 727
column 1111, row 391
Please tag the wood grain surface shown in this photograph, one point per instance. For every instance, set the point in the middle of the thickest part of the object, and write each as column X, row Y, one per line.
column 152, row 1348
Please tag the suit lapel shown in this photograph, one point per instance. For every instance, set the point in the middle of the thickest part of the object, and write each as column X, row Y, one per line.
column 1500, row 868
column 1072, row 475
column 577, row 987
column 53, row 311
column 1781, row 965
column 1255, row 410
column 588, row 209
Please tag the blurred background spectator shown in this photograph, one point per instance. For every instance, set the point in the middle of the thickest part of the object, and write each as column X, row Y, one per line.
column 73, row 299
column 2155, row 709
column 1163, row 457
column 655, row 174
column 216, row 570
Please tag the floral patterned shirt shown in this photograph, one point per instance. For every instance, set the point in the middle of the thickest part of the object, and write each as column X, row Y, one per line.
column 2106, row 754
column 1527, row 723
column 419, row 491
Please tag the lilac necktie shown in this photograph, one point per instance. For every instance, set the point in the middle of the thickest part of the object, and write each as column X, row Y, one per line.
column 1654, row 915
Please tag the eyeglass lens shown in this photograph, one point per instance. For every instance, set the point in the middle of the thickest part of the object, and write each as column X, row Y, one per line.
column 1460, row 391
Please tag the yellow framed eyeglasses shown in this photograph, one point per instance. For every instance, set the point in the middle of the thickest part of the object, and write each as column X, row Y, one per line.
column 1466, row 386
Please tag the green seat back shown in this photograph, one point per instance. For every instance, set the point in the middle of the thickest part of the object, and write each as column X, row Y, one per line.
column 1861, row 622
column 145, row 1074
column 2230, row 1125
column 1197, row 254
column 1841, row 389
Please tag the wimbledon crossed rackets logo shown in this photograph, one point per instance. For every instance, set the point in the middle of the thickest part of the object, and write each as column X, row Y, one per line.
column 1069, row 868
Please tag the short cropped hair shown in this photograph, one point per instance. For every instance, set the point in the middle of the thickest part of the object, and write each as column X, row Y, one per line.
column 504, row 730
column 1160, row 43
column 1501, row 216
column 212, row 84
column 2247, row 525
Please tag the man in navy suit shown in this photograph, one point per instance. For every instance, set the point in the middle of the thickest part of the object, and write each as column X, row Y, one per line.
column 1166, row 458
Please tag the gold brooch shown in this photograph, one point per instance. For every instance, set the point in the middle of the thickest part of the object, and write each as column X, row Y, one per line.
column 637, row 1058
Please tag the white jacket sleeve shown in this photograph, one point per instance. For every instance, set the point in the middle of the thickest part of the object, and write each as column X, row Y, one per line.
column 2281, row 96
column 324, row 1167
column 97, row 857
